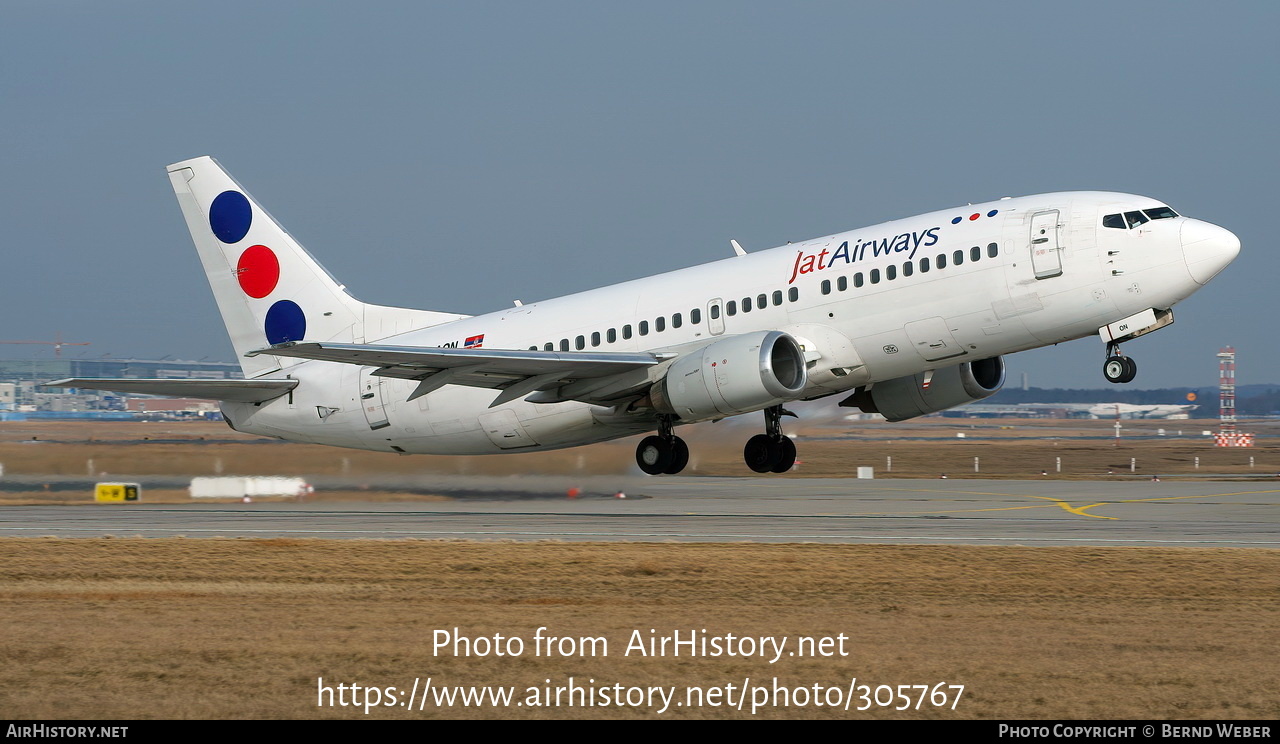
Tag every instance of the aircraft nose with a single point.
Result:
(1207, 249)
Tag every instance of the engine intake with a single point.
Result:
(903, 398)
(733, 375)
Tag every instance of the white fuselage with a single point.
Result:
(1046, 271)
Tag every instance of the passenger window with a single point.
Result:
(842, 283)
(941, 260)
(676, 321)
(660, 324)
(908, 268)
(875, 276)
(777, 295)
(1114, 220)
(957, 258)
(695, 316)
(975, 253)
(993, 250)
(746, 304)
(715, 312)
(924, 265)
(1135, 218)
(762, 301)
(626, 331)
(644, 328)
(564, 344)
(549, 347)
(580, 343)
(595, 338)
(533, 348)
(612, 336)
(731, 308)
(826, 286)
(891, 272)
(857, 279)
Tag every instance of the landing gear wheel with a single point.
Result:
(759, 453)
(1119, 369)
(773, 451)
(1132, 371)
(679, 456)
(784, 451)
(654, 455)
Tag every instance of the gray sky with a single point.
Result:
(454, 156)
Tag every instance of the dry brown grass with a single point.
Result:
(221, 628)
(1007, 448)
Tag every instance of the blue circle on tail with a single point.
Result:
(285, 322)
(230, 216)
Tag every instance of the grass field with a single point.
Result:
(219, 628)
(920, 449)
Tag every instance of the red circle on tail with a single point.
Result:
(258, 271)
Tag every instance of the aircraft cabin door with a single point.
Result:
(372, 399)
(715, 316)
(1046, 253)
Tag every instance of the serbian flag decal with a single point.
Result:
(473, 342)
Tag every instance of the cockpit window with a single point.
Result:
(1160, 213)
(1130, 220)
(1135, 218)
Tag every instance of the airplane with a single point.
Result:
(903, 318)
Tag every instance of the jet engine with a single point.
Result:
(907, 397)
(734, 375)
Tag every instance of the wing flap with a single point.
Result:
(239, 391)
(517, 372)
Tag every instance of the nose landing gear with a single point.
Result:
(771, 452)
(665, 453)
(1118, 368)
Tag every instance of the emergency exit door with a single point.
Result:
(372, 399)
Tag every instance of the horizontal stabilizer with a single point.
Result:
(239, 391)
(525, 370)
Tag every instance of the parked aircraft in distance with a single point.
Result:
(903, 318)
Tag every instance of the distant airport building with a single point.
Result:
(43, 370)
(1070, 410)
(22, 391)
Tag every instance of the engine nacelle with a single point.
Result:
(906, 397)
(733, 375)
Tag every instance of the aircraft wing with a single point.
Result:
(516, 372)
(239, 391)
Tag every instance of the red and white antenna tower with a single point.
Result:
(1227, 435)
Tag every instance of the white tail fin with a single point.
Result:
(268, 288)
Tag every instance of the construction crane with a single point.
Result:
(56, 344)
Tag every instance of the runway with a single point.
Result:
(704, 509)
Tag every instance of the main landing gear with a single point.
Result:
(1118, 368)
(665, 453)
(771, 452)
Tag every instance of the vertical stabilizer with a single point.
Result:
(268, 288)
